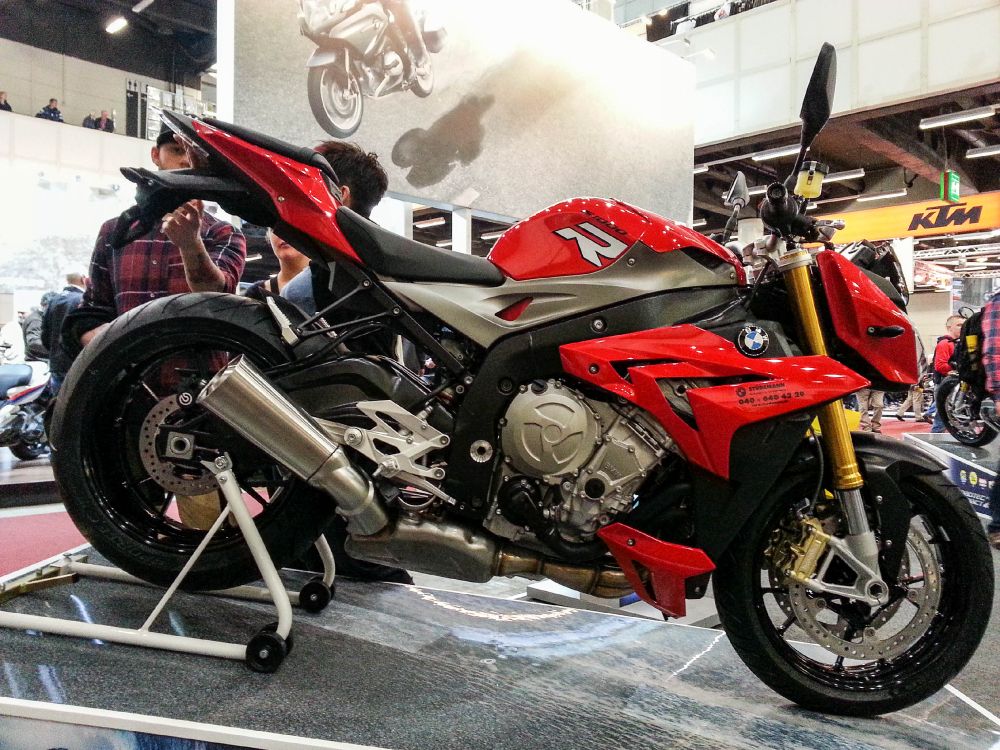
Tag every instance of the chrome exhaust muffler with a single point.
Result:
(242, 397)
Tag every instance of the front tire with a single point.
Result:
(137, 509)
(945, 586)
(336, 100)
(960, 414)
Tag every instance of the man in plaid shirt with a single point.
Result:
(991, 363)
(191, 251)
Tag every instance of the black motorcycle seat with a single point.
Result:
(390, 254)
(12, 376)
(283, 148)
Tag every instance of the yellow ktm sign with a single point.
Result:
(973, 213)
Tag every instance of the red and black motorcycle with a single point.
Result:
(620, 404)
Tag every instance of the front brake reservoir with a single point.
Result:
(809, 183)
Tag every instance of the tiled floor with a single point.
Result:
(410, 667)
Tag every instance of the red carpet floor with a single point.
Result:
(27, 539)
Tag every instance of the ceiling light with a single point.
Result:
(699, 223)
(443, 243)
(428, 223)
(966, 115)
(881, 196)
(979, 153)
(701, 169)
(850, 174)
(140, 6)
(492, 235)
(116, 25)
(254, 257)
(776, 153)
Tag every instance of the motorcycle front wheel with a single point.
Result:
(957, 408)
(143, 512)
(335, 99)
(835, 655)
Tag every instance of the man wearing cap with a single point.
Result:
(191, 251)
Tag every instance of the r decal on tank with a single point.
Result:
(593, 243)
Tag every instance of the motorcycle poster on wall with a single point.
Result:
(503, 106)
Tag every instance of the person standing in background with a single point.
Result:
(290, 264)
(871, 400)
(991, 364)
(51, 111)
(34, 345)
(943, 352)
(62, 305)
(4, 104)
(89, 121)
(104, 122)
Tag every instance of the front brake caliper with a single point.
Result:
(796, 549)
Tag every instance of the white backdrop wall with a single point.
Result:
(60, 183)
(32, 76)
(928, 312)
(888, 51)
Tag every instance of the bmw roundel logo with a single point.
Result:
(752, 341)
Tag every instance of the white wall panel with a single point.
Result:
(721, 40)
(36, 140)
(818, 21)
(715, 111)
(889, 51)
(765, 37)
(964, 48)
(880, 17)
(889, 68)
(765, 99)
(945, 9)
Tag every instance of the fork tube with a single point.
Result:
(832, 420)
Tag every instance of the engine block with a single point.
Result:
(591, 456)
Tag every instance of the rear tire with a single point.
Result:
(96, 456)
(931, 654)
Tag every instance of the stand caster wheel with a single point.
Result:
(314, 596)
(272, 627)
(265, 652)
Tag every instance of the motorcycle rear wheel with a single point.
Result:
(29, 451)
(106, 403)
(966, 428)
(946, 548)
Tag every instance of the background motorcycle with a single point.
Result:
(24, 389)
(608, 381)
(361, 52)
(965, 406)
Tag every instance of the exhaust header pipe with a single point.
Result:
(242, 397)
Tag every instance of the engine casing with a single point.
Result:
(589, 457)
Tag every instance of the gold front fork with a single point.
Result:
(832, 420)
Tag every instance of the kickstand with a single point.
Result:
(264, 652)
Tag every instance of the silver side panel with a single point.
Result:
(472, 310)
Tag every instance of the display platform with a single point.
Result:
(395, 666)
(972, 469)
(24, 483)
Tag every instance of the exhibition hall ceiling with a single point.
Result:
(171, 40)
(891, 147)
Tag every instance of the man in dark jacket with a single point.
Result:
(35, 348)
(51, 112)
(63, 304)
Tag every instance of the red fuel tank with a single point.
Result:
(584, 235)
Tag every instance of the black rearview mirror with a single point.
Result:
(738, 195)
(818, 101)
